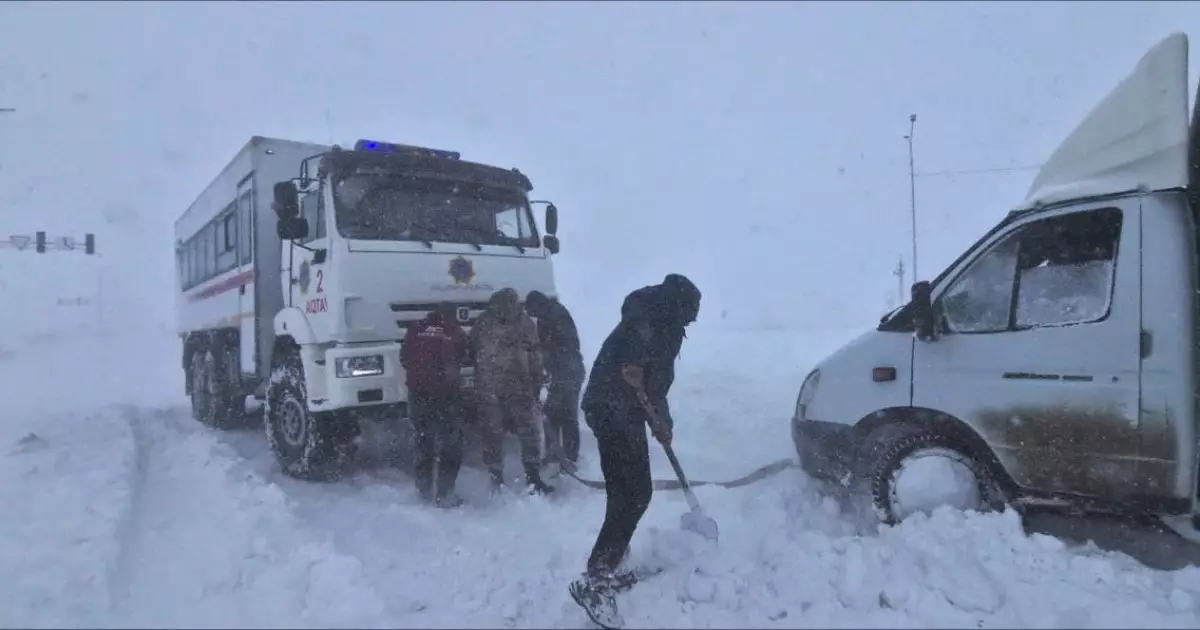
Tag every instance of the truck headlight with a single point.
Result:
(347, 367)
(807, 391)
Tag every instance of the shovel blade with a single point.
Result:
(698, 522)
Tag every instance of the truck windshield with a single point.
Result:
(384, 207)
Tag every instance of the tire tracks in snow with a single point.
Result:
(206, 542)
(131, 521)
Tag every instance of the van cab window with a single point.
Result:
(1052, 272)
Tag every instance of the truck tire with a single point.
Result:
(313, 446)
(889, 451)
(214, 398)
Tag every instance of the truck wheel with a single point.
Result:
(915, 468)
(212, 394)
(313, 446)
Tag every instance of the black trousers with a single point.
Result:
(437, 419)
(625, 462)
(562, 414)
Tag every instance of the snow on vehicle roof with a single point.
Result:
(1137, 137)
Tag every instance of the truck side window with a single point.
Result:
(312, 207)
(1052, 272)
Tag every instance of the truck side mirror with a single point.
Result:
(292, 228)
(287, 200)
(551, 219)
(551, 243)
(923, 315)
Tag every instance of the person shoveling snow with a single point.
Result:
(637, 359)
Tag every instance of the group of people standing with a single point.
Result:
(513, 357)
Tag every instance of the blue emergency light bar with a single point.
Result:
(388, 147)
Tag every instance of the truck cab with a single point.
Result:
(374, 239)
(1054, 363)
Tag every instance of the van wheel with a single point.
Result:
(213, 395)
(916, 469)
(313, 446)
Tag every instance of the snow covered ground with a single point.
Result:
(122, 511)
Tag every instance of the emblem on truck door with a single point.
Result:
(462, 270)
(304, 277)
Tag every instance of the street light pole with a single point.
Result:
(912, 191)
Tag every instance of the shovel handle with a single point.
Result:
(683, 482)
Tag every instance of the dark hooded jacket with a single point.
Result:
(650, 334)
(558, 337)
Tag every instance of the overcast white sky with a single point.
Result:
(756, 147)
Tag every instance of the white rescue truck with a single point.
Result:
(1055, 362)
(301, 265)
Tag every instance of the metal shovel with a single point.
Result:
(695, 520)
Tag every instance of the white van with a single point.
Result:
(1056, 359)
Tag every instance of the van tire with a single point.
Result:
(886, 450)
(311, 446)
(215, 400)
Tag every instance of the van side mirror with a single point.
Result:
(923, 315)
(551, 219)
(287, 200)
(551, 243)
(292, 228)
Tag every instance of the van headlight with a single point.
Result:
(807, 391)
(348, 367)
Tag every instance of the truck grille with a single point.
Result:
(467, 313)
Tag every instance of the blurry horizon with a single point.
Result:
(755, 147)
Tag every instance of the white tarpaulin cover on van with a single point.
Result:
(1136, 137)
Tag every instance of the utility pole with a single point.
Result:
(912, 191)
(899, 273)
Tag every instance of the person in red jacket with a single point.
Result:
(434, 351)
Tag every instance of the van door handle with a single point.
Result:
(1147, 343)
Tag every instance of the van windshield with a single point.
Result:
(387, 207)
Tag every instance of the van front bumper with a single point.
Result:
(827, 450)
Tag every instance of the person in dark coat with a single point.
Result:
(434, 351)
(638, 357)
(563, 361)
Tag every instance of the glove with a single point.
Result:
(663, 413)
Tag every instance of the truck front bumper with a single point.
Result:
(379, 396)
(827, 450)
(345, 391)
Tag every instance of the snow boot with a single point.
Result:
(497, 482)
(533, 478)
(448, 501)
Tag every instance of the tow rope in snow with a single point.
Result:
(673, 484)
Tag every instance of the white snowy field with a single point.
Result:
(119, 510)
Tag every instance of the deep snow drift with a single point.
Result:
(122, 511)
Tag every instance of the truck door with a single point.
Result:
(247, 308)
(308, 281)
(1039, 349)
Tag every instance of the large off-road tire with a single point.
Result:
(216, 399)
(313, 446)
(890, 450)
